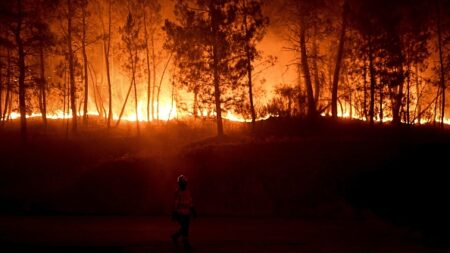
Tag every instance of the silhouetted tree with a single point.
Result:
(45, 40)
(203, 41)
(23, 29)
(339, 56)
(366, 19)
(1, 84)
(285, 101)
(254, 24)
(305, 17)
(151, 19)
(443, 40)
(132, 45)
(7, 83)
(69, 16)
(105, 8)
(84, 42)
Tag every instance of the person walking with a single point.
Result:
(183, 209)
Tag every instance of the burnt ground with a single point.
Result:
(294, 186)
(151, 234)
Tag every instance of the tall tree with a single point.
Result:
(339, 56)
(1, 85)
(71, 55)
(7, 104)
(303, 17)
(151, 20)
(18, 17)
(45, 40)
(365, 18)
(414, 38)
(442, 86)
(254, 25)
(106, 39)
(21, 62)
(132, 47)
(202, 40)
(84, 16)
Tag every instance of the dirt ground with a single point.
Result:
(350, 187)
(151, 234)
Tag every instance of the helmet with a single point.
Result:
(182, 182)
(182, 179)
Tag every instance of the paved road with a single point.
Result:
(218, 235)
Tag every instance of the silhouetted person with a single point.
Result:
(182, 211)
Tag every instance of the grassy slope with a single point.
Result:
(291, 168)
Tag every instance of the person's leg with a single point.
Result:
(175, 236)
(179, 232)
(185, 232)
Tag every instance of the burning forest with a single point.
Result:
(238, 60)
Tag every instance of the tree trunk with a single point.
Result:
(249, 72)
(96, 102)
(64, 93)
(381, 113)
(250, 90)
(135, 96)
(289, 106)
(216, 63)
(351, 104)
(67, 93)
(316, 69)
(195, 105)
(85, 62)
(337, 69)
(124, 104)
(43, 85)
(306, 73)
(436, 105)
(372, 83)
(396, 117)
(365, 89)
(408, 96)
(97, 96)
(152, 38)
(217, 94)
(172, 99)
(1, 92)
(147, 53)
(300, 91)
(441, 63)
(418, 102)
(160, 84)
(398, 101)
(158, 93)
(106, 48)
(10, 106)
(73, 104)
(8, 87)
(21, 64)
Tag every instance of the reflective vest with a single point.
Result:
(183, 202)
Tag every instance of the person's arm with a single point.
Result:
(193, 212)
(175, 206)
(192, 208)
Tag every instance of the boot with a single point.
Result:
(187, 246)
(174, 238)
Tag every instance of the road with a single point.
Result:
(218, 235)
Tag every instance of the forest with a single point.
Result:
(144, 60)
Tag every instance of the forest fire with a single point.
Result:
(166, 113)
(141, 61)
